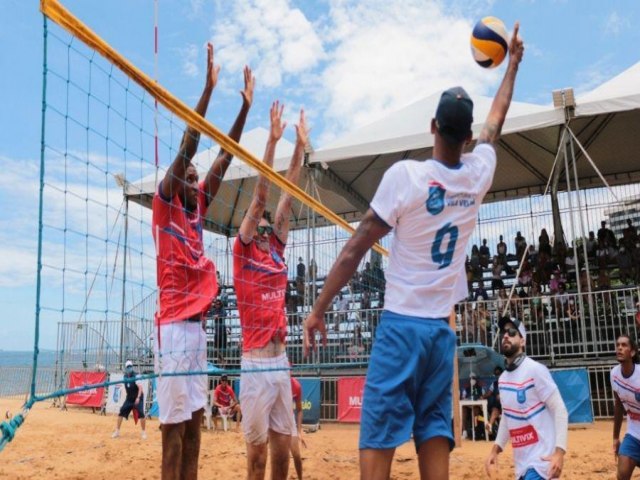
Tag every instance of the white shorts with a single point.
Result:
(183, 348)
(266, 399)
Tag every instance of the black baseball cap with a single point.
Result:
(454, 115)
(224, 378)
(516, 323)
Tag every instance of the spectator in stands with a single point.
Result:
(496, 274)
(356, 285)
(520, 245)
(340, 307)
(592, 245)
(220, 331)
(313, 271)
(480, 293)
(535, 301)
(570, 267)
(574, 318)
(602, 254)
(482, 321)
(260, 279)
(526, 273)
(502, 302)
(476, 267)
(607, 235)
(300, 270)
(366, 277)
(532, 256)
(630, 235)
(186, 284)
(544, 244)
(485, 254)
(225, 403)
(560, 300)
(501, 250)
(587, 283)
(468, 324)
(468, 270)
(625, 265)
(134, 401)
(365, 305)
(219, 281)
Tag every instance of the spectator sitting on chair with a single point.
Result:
(225, 403)
(592, 245)
(133, 401)
(606, 235)
(480, 293)
(501, 249)
(474, 391)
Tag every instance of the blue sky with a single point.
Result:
(347, 62)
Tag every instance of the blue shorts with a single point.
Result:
(630, 447)
(531, 474)
(408, 386)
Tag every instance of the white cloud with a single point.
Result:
(272, 37)
(614, 24)
(388, 54)
(190, 60)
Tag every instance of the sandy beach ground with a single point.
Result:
(77, 444)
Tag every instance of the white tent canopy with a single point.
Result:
(345, 174)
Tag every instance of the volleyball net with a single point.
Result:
(109, 136)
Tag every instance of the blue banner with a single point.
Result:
(310, 400)
(574, 389)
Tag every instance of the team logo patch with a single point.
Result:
(523, 436)
(435, 202)
(522, 396)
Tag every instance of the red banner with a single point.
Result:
(92, 397)
(350, 398)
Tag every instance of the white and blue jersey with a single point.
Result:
(628, 390)
(523, 393)
(432, 209)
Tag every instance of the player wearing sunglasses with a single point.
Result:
(534, 416)
(260, 279)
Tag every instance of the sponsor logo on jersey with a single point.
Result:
(523, 436)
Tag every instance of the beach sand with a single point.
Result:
(77, 444)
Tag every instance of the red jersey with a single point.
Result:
(224, 395)
(260, 280)
(296, 391)
(186, 277)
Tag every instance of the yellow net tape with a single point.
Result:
(55, 11)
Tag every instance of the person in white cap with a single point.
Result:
(134, 401)
(534, 416)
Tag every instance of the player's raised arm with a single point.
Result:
(189, 144)
(223, 160)
(281, 225)
(495, 119)
(261, 190)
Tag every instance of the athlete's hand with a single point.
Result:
(616, 447)
(301, 438)
(312, 324)
(491, 463)
(556, 460)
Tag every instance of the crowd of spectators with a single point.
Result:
(548, 275)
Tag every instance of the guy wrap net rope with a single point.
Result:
(101, 124)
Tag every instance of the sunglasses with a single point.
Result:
(265, 229)
(512, 332)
